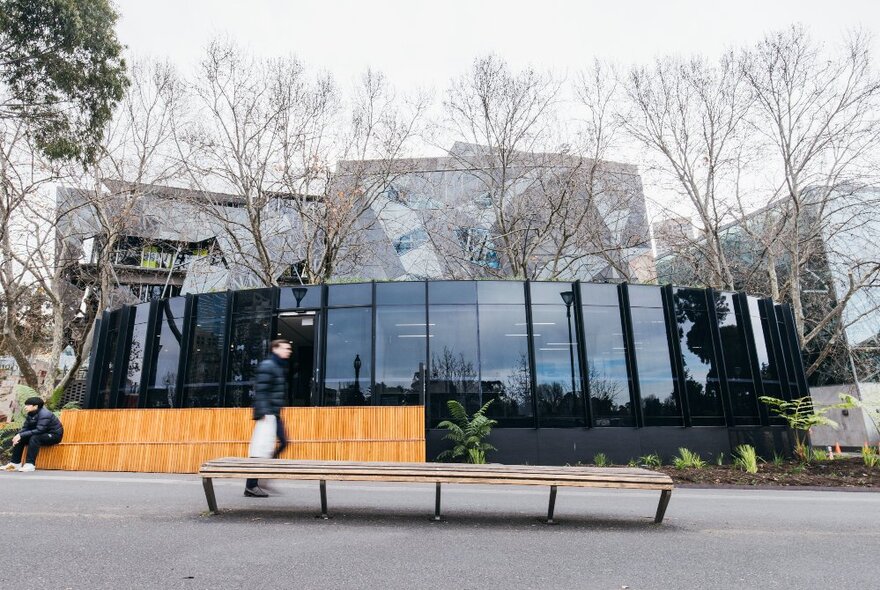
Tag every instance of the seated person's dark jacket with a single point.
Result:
(41, 422)
(270, 393)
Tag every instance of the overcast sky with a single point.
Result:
(422, 44)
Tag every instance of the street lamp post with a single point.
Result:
(568, 299)
(357, 374)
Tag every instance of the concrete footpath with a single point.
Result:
(101, 530)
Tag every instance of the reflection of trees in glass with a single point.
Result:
(693, 333)
(608, 397)
(556, 399)
(454, 375)
(654, 407)
(513, 395)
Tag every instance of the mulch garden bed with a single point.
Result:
(846, 472)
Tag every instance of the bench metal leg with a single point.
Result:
(552, 505)
(661, 508)
(324, 499)
(208, 484)
(437, 504)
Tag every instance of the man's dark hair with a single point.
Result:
(279, 342)
(34, 401)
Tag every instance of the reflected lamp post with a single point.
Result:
(357, 373)
(568, 299)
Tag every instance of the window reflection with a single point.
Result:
(161, 391)
(698, 357)
(202, 386)
(453, 371)
(560, 402)
(250, 334)
(105, 393)
(610, 399)
(400, 354)
(135, 363)
(734, 347)
(348, 365)
(660, 405)
(504, 364)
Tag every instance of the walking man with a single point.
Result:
(270, 395)
(41, 428)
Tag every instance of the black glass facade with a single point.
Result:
(550, 355)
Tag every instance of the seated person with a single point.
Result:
(41, 428)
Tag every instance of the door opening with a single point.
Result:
(300, 328)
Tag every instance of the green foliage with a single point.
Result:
(71, 406)
(55, 399)
(687, 459)
(22, 392)
(651, 460)
(870, 456)
(63, 71)
(801, 415)
(7, 431)
(817, 455)
(633, 462)
(601, 460)
(778, 459)
(746, 458)
(467, 434)
(719, 460)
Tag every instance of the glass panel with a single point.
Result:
(452, 292)
(253, 301)
(560, 402)
(549, 292)
(400, 354)
(348, 370)
(353, 294)
(132, 383)
(249, 344)
(202, 385)
(402, 293)
(311, 299)
(610, 400)
(698, 357)
(105, 398)
(598, 294)
(454, 360)
(735, 351)
(659, 401)
(645, 296)
(500, 292)
(177, 305)
(161, 392)
(504, 363)
(762, 342)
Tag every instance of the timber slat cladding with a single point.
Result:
(611, 477)
(180, 440)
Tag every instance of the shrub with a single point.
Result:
(816, 455)
(746, 458)
(633, 462)
(652, 460)
(719, 460)
(467, 434)
(778, 459)
(601, 460)
(870, 456)
(801, 415)
(687, 459)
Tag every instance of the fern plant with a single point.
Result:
(746, 458)
(601, 460)
(651, 460)
(467, 434)
(687, 458)
(801, 415)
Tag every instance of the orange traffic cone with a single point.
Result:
(837, 448)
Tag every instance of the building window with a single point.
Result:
(411, 240)
(477, 246)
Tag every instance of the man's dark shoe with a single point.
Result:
(255, 492)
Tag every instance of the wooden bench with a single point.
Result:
(437, 473)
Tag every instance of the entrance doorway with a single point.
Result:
(301, 329)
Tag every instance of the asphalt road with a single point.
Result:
(101, 530)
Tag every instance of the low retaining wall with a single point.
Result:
(180, 440)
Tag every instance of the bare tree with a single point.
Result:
(817, 112)
(690, 115)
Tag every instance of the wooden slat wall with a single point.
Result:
(180, 440)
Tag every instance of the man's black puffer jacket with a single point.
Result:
(270, 393)
(41, 422)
